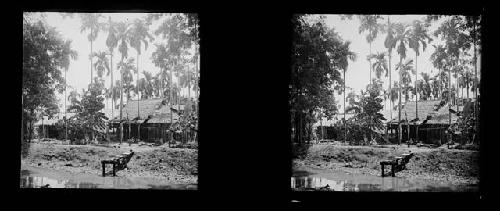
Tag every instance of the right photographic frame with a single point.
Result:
(386, 103)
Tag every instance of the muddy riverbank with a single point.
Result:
(174, 166)
(35, 177)
(438, 167)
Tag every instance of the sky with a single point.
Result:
(78, 75)
(357, 74)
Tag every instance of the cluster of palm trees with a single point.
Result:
(414, 36)
(172, 55)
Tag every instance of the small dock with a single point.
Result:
(397, 164)
(119, 162)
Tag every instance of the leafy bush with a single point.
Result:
(25, 148)
(300, 150)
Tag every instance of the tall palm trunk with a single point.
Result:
(91, 57)
(370, 61)
(112, 96)
(188, 102)
(162, 83)
(197, 81)
(462, 87)
(476, 83)
(196, 75)
(23, 120)
(112, 88)
(449, 100)
(189, 87)
(321, 126)
(121, 104)
(345, 120)
(416, 88)
(457, 97)
(390, 86)
(171, 105)
(138, 104)
(400, 132)
(467, 87)
(65, 110)
(440, 85)
(416, 98)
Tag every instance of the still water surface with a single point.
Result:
(33, 177)
(308, 179)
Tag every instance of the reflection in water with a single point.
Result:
(381, 184)
(340, 185)
(37, 182)
(33, 177)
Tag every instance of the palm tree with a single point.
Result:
(389, 43)
(402, 37)
(467, 81)
(139, 34)
(111, 43)
(393, 95)
(345, 120)
(369, 23)
(123, 38)
(90, 21)
(196, 61)
(418, 35)
(404, 70)
(71, 54)
(438, 59)
(146, 85)
(380, 65)
(102, 63)
(425, 86)
(116, 92)
(126, 69)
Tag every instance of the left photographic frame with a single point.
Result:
(110, 100)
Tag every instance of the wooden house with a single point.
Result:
(432, 121)
(149, 116)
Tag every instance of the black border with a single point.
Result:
(244, 150)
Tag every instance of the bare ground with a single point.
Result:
(174, 165)
(459, 167)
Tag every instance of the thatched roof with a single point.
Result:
(153, 110)
(425, 109)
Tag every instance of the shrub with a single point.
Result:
(300, 150)
(25, 148)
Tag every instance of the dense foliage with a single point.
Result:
(367, 122)
(45, 56)
(89, 121)
(319, 56)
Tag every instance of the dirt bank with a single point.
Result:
(441, 164)
(175, 165)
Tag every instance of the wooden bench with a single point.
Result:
(119, 161)
(397, 164)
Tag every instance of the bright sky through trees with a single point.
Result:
(357, 74)
(79, 70)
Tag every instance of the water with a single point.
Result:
(343, 181)
(32, 177)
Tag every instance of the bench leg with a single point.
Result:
(393, 168)
(103, 169)
(382, 169)
(114, 172)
